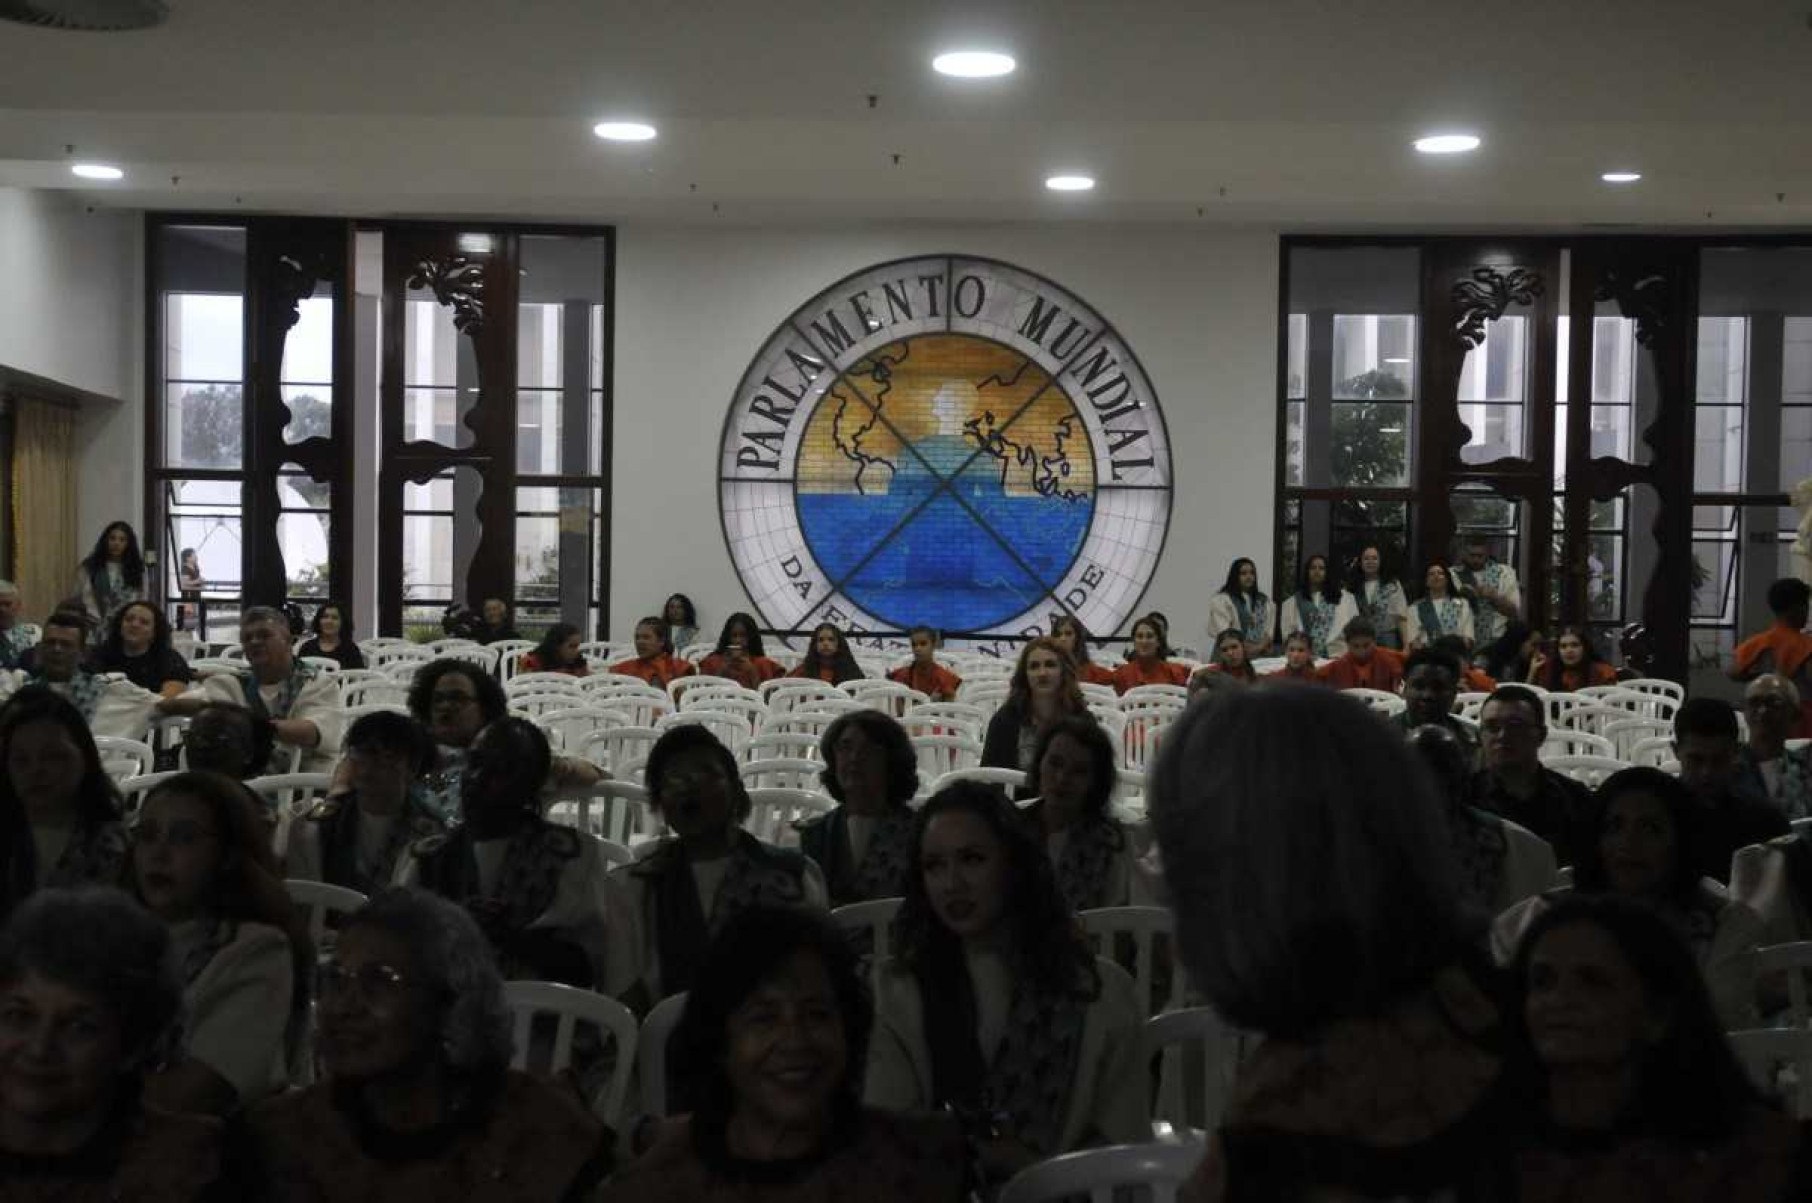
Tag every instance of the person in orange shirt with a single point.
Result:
(654, 661)
(1072, 637)
(1150, 663)
(1784, 649)
(558, 652)
(828, 659)
(1574, 664)
(1229, 666)
(1365, 665)
(1299, 661)
(925, 674)
(739, 654)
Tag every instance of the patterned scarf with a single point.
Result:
(93, 856)
(13, 644)
(341, 863)
(757, 875)
(300, 674)
(886, 862)
(1087, 861)
(85, 691)
(1254, 618)
(1479, 849)
(1793, 789)
(1487, 623)
(439, 789)
(526, 883)
(1377, 608)
(1439, 616)
(1316, 614)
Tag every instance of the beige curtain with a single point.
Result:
(44, 504)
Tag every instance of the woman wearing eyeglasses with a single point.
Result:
(201, 862)
(419, 1101)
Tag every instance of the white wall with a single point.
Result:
(1199, 309)
(70, 302)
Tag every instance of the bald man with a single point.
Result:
(1768, 768)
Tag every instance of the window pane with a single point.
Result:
(310, 412)
(1714, 580)
(204, 425)
(427, 556)
(1495, 369)
(431, 414)
(1374, 357)
(1296, 382)
(203, 338)
(1723, 361)
(1613, 360)
(308, 349)
(1717, 465)
(538, 444)
(1796, 361)
(304, 540)
(1796, 446)
(538, 346)
(440, 374)
(1370, 445)
(1611, 431)
(436, 494)
(1293, 457)
(204, 516)
(1496, 432)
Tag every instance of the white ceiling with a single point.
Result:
(1283, 112)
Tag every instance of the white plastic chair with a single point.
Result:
(940, 754)
(782, 773)
(320, 900)
(1144, 924)
(391, 655)
(690, 693)
(1626, 734)
(748, 707)
(1648, 703)
(1152, 1173)
(534, 703)
(784, 695)
(875, 916)
(811, 725)
(1593, 717)
(381, 691)
(326, 664)
(1564, 743)
(1131, 789)
(1146, 719)
(572, 1006)
(932, 712)
(1143, 693)
(472, 653)
(1387, 704)
(651, 1052)
(288, 791)
(1099, 694)
(643, 705)
(772, 813)
(984, 692)
(1794, 961)
(569, 727)
(1010, 780)
(1655, 751)
(615, 747)
(607, 650)
(783, 745)
(1216, 1044)
(122, 758)
(1589, 771)
(133, 789)
(1469, 705)
(731, 729)
(889, 697)
(509, 655)
(615, 811)
(1779, 1062)
(1656, 687)
(540, 682)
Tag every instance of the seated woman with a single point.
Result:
(59, 811)
(1229, 666)
(1073, 775)
(1299, 661)
(1043, 688)
(1629, 1089)
(1647, 827)
(993, 1006)
(1574, 665)
(558, 652)
(138, 645)
(654, 661)
(771, 1048)
(1380, 598)
(1319, 608)
(925, 674)
(681, 619)
(1351, 951)
(740, 655)
(828, 659)
(1148, 661)
(201, 862)
(1440, 610)
(1507, 659)
(357, 838)
(229, 740)
(864, 847)
(1240, 606)
(1070, 635)
(663, 910)
(332, 637)
(419, 1100)
(535, 888)
(89, 1000)
(496, 622)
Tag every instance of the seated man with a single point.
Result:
(15, 639)
(1364, 665)
(302, 703)
(1768, 767)
(1706, 745)
(1514, 783)
(1500, 862)
(111, 704)
(1784, 648)
(1431, 681)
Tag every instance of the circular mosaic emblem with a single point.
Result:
(948, 441)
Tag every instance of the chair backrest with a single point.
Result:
(1141, 693)
(1627, 733)
(1561, 742)
(986, 692)
(1009, 779)
(1142, 926)
(379, 690)
(614, 811)
(1648, 703)
(772, 813)
(1469, 705)
(1099, 694)
(731, 728)
(122, 758)
(786, 694)
(133, 789)
(541, 682)
(1152, 1173)
(783, 745)
(1145, 720)
(782, 773)
(643, 705)
(940, 754)
(615, 747)
(1779, 1062)
(571, 1006)
(1593, 717)
(1795, 962)
(1656, 751)
(1191, 1106)
(891, 697)
(651, 1052)
(1589, 771)
(682, 688)
(875, 919)
(810, 723)
(289, 790)
(472, 653)
(1384, 703)
(319, 900)
(326, 664)
(569, 727)
(1655, 687)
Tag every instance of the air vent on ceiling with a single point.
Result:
(86, 14)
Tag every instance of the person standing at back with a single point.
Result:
(112, 574)
(1784, 648)
(1492, 588)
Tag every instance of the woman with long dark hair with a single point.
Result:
(1242, 606)
(558, 652)
(828, 657)
(332, 636)
(1042, 689)
(993, 1005)
(1440, 611)
(740, 655)
(1074, 770)
(1149, 660)
(113, 573)
(1380, 598)
(1574, 664)
(681, 619)
(138, 645)
(1319, 608)
(1069, 633)
(1628, 1090)
(60, 821)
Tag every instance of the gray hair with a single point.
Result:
(1772, 683)
(1307, 855)
(257, 614)
(455, 960)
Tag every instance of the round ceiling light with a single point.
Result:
(97, 171)
(1070, 182)
(1621, 177)
(1447, 144)
(974, 64)
(624, 131)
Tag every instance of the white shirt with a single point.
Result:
(317, 702)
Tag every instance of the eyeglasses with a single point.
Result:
(373, 983)
(181, 833)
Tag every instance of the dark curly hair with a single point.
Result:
(547, 652)
(885, 731)
(1590, 875)
(751, 635)
(842, 664)
(346, 633)
(132, 564)
(491, 699)
(1048, 946)
(97, 800)
(113, 648)
(1071, 623)
(1103, 763)
(685, 738)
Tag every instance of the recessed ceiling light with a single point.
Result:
(1621, 177)
(974, 64)
(624, 131)
(98, 171)
(1070, 183)
(1447, 144)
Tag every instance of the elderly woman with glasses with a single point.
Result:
(419, 1101)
